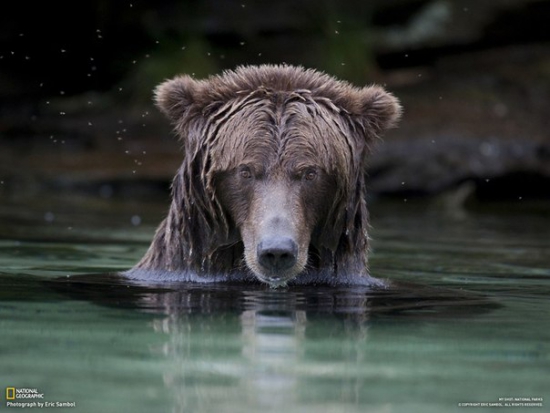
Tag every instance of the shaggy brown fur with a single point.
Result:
(273, 155)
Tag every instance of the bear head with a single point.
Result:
(272, 182)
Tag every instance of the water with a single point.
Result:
(108, 346)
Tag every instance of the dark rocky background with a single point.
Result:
(473, 76)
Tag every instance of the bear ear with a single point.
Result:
(379, 109)
(176, 96)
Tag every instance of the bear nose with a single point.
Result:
(277, 253)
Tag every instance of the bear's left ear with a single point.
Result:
(176, 96)
(380, 110)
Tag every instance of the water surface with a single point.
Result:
(473, 328)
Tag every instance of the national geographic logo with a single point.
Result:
(13, 393)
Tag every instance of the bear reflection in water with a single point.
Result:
(233, 346)
(272, 183)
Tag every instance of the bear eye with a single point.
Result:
(310, 174)
(245, 172)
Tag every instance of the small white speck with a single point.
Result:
(136, 220)
(242, 43)
(520, 198)
(403, 183)
(63, 50)
(49, 216)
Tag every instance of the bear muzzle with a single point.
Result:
(277, 253)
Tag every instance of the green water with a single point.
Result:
(109, 347)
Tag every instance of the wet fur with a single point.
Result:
(278, 121)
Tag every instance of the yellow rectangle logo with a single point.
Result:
(10, 393)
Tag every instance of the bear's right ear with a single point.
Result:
(379, 109)
(176, 96)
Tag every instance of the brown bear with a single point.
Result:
(272, 184)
